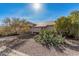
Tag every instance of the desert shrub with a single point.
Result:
(63, 25)
(58, 40)
(14, 26)
(69, 26)
(49, 38)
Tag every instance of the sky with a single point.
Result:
(36, 12)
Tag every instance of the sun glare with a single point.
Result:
(36, 6)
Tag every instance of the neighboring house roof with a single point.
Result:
(44, 24)
(40, 26)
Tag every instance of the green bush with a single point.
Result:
(69, 26)
(58, 40)
(49, 38)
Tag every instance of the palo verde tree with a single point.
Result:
(16, 25)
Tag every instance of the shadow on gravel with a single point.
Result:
(5, 52)
(17, 45)
(76, 48)
(74, 41)
(67, 45)
(60, 49)
(26, 36)
(57, 48)
(19, 41)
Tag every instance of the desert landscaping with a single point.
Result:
(41, 35)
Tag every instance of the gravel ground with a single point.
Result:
(5, 51)
(30, 47)
(34, 49)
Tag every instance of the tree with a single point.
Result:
(62, 25)
(16, 25)
(69, 25)
(74, 16)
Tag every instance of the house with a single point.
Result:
(41, 26)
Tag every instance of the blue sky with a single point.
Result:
(48, 12)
